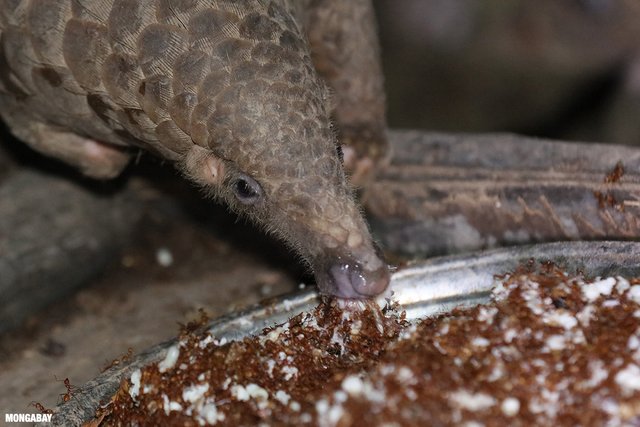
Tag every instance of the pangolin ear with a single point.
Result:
(203, 167)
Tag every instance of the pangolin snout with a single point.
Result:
(346, 278)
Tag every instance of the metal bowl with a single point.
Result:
(423, 289)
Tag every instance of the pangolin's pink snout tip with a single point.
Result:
(349, 279)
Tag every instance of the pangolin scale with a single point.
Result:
(229, 91)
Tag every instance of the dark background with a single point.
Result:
(567, 69)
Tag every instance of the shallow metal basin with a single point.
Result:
(423, 289)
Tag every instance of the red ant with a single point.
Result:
(122, 359)
(71, 389)
(41, 408)
(127, 356)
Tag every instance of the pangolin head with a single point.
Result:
(263, 143)
(278, 164)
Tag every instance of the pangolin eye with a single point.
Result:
(247, 190)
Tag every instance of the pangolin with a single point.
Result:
(239, 94)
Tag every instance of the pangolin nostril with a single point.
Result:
(347, 278)
(350, 280)
(373, 282)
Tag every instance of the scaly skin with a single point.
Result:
(346, 53)
(225, 89)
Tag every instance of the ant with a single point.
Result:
(41, 408)
(127, 356)
(115, 362)
(71, 389)
(191, 327)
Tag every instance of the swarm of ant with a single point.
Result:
(188, 330)
(191, 328)
(72, 390)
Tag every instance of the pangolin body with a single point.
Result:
(227, 90)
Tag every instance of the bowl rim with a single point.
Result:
(421, 289)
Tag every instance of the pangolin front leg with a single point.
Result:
(93, 158)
